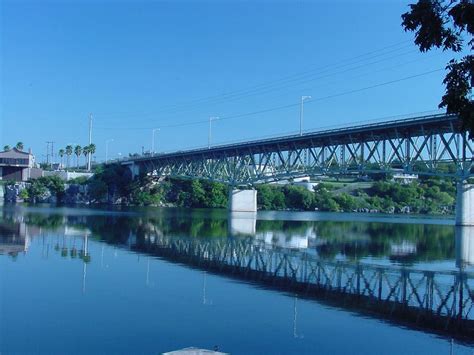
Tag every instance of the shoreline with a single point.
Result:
(263, 215)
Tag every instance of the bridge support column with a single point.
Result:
(243, 201)
(465, 204)
(134, 169)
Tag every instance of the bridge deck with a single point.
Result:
(417, 126)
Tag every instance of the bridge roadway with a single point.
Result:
(428, 145)
(439, 301)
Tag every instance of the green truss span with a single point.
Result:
(429, 145)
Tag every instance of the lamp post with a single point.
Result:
(153, 140)
(303, 98)
(107, 149)
(212, 118)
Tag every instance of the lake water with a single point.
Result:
(147, 281)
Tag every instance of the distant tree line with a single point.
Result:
(114, 185)
(426, 195)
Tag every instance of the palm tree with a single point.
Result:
(19, 146)
(85, 151)
(91, 152)
(78, 152)
(68, 154)
(7, 147)
(61, 154)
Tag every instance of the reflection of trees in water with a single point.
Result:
(354, 240)
(360, 239)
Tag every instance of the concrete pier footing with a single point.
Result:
(465, 204)
(243, 201)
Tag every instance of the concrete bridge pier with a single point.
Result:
(465, 204)
(134, 169)
(242, 200)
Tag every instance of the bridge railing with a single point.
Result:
(339, 129)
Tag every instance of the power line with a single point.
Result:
(288, 84)
(282, 107)
(258, 87)
(320, 85)
(283, 84)
(371, 72)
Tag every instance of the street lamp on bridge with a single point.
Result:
(303, 98)
(107, 149)
(153, 140)
(212, 118)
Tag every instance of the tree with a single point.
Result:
(198, 194)
(36, 191)
(68, 154)
(271, 197)
(19, 146)
(447, 24)
(61, 154)
(85, 152)
(78, 152)
(298, 197)
(6, 147)
(92, 148)
(97, 189)
(217, 194)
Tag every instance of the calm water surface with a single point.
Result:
(89, 281)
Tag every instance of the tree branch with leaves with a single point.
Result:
(448, 24)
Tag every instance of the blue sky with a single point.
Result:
(138, 65)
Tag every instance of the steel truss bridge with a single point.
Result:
(428, 145)
(442, 301)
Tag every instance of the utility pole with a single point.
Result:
(90, 142)
(52, 154)
(48, 152)
(303, 98)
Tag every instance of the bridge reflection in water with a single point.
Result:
(438, 300)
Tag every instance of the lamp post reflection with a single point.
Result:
(205, 300)
(147, 282)
(295, 314)
(85, 258)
